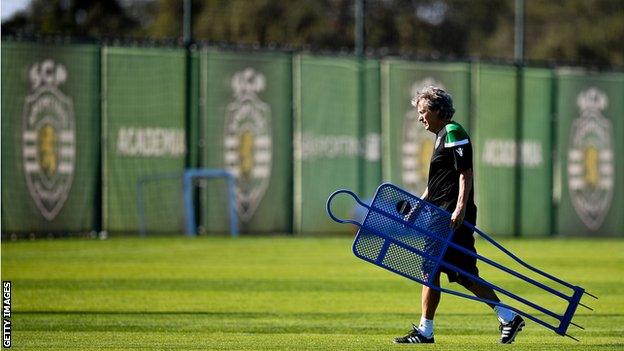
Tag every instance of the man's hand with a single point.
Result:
(457, 218)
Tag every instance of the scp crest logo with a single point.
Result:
(247, 140)
(48, 138)
(591, 169)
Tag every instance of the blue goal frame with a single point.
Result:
(187, 189)
(192, 173)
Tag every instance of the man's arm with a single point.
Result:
(465, 185)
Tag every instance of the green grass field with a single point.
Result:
(274, 293)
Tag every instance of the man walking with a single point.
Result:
(450, 186)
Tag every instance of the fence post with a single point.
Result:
(519, 61)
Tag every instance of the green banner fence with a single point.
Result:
(144, 135)
(246, 128)
(590, 186)
(535, 215)
(370, 132)
(494, 89)
(50, 137)
(335, 136)
(83, 124)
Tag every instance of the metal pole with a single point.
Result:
(188, 109)
(232, 202)
(554, 182)
(519, 32)
(187, 188)
(359, 28)
(191, 158)
(361, 93)
(519, 135)
(186, 27)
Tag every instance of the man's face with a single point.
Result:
(429, 119)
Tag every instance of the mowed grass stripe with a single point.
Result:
(275, 293)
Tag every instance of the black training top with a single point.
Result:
(452, 154)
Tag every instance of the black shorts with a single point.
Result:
(464, 238)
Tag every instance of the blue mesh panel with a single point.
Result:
(387, 240)
(407, 262)
(368, 245)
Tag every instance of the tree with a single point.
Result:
(588, 31)
(80, 18)
(576, 31)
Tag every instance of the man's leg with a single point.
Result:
(430, 299)
(423, 333)
(511, 323)
(505, 315)
(484, 292)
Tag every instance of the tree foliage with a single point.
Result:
(80, 18)
(562, 30)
